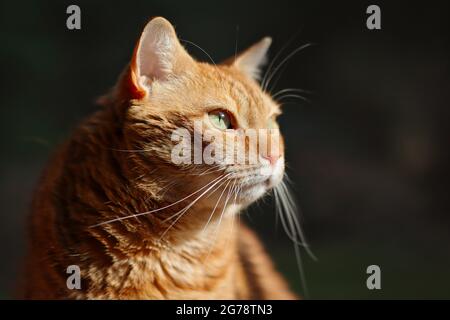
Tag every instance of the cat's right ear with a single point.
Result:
(157, 56)
(251, 60)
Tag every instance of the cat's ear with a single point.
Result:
(158, 55)
(252, 59)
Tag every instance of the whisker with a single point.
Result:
(180, 213)
(291, 90)
(193, 202)
(233, 217)
(291, 226)
(131, 150)
(286, 59)
(269, 68)
(286, 209)
(220, 221)
(212, 170)
(301, 271)
(155, 210)
(215, 207)
(203, 50)
(294, 220)
(293, 96)
(225, 205)
(276, 80)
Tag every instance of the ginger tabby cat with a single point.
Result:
(109, 197)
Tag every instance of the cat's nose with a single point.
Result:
(272, 157)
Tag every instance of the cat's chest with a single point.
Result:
(170, 276)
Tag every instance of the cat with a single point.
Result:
(112, 202)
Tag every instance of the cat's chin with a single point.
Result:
(252, 193)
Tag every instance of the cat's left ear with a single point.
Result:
(252, 59)
(158, 56)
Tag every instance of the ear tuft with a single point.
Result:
(251, 60)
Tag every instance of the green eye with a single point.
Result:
(220, 119)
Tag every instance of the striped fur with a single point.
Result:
(117, 163)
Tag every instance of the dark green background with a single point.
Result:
(368, 157)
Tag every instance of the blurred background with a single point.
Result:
(368, 157)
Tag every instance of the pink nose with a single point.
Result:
(273, 158)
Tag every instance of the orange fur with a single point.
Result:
(117, 163)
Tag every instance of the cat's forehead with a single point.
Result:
(229, 83)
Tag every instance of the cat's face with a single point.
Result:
(210, 125)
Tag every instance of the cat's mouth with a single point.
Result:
(254, 186)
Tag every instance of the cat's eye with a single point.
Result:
(220, 119)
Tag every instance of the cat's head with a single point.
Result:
(174, 98)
